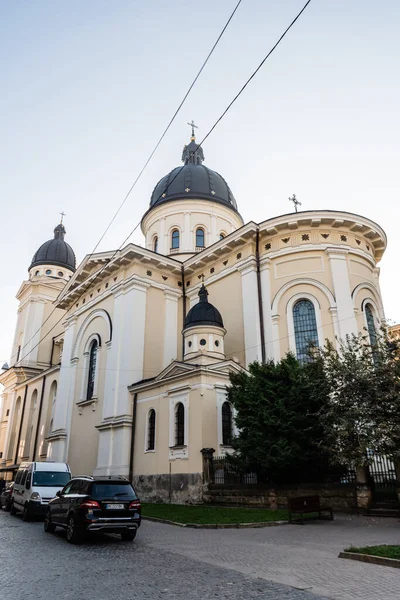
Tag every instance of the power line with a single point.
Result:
(147, 161)
(205, 137)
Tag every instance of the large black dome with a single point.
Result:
(203, 313)
(55, 252)
(193, 180)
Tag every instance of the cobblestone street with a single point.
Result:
(170, 563)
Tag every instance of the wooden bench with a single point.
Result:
(306, 505)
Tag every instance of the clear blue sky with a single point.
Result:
(87, 88)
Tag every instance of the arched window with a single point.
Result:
(221, 235)
(30, 421)
(226, 424)
(305, 328)
(179, 425)
(155, 244)
(370, 324)
(151, 430)
(175, 239)
(92, 370)
(200, 238)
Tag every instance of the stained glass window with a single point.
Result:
(226, 424)
(175, 239)
(151, 430)
(179, 425)
(200, 238)
(305, 328)
(370, 324)
(92, 370)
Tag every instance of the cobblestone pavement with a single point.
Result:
(305, 557)
(39, 566)
(291, 562)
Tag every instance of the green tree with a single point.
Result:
(361, 394)
(277, 416)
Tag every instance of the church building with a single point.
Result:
(120, 365)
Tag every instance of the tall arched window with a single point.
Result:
(200, 238)
(155, 244)
(226, 424)
(179, 424)
(92, 369)
(221, 235)
(305, 328)
(151, 430)
(370, 324)
(175, 239)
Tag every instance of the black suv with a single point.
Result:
(107, 504)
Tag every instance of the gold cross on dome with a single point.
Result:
(62, 216)
(187, 189)
(193, 126)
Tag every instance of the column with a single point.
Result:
(162, 249)
(346, 320)
(251, 315)
(187, 242)
(170, 327)
(214, 233)
(58, 442)
(270, 342)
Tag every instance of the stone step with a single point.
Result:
(383, 512)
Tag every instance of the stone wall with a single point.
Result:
(177, 488)
(339, 497)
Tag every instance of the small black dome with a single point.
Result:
(193, 180)
(203, 313)
(55, 252)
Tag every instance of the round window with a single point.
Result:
(60, 274)
(217, 343)
(48, 272)
(203, 342)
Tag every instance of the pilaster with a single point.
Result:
(251, 320)
(170, 327)
(346, 321)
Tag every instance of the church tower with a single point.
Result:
(204, 332)
(191, 208)
(52, 266)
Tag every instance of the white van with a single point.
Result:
(35, 484)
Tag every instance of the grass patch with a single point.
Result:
(212, 515)
(385, 551)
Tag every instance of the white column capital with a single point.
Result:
(337, 253)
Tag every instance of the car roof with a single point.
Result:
(103, 478)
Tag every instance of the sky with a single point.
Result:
(88, 87)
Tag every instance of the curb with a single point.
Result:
(370, 558)
(216, 525)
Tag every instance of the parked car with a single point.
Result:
(5, 497)
(35, 484)
(89, 504)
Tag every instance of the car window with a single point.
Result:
(23, 477)
(83, 487)
(105, 490)
(67, 489)
(76, 487)
(18, 477)
(51, 478)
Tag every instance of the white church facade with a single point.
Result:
(120, 366)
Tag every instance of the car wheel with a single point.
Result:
(26, 513)
(128, 536)
(74, 532)
(49, 527)
(13, 509)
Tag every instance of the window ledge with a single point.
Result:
(180, 447)
(150, 451)
(92, 402)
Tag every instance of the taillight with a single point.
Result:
(135, 505)
(90, 504)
